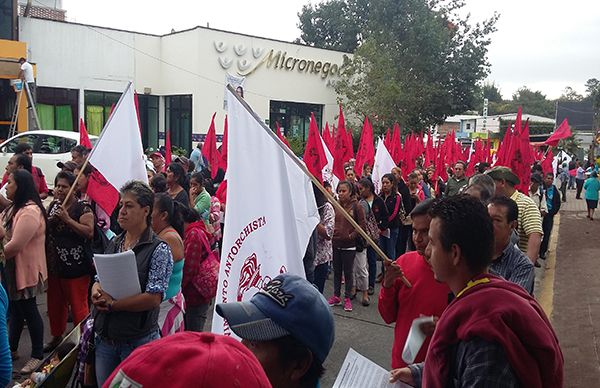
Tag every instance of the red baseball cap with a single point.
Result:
(190, 359)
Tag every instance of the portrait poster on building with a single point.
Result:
(236, 82)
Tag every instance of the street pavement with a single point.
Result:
(567, 287)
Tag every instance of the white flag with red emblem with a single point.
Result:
(271, 211)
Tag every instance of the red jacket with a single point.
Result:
(194, 253)
(501, 312)
(402, 305)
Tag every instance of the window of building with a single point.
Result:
(178, 120)
(148, 106)
(98, 106)
(294, 117)
(468, 126)
(57, 108)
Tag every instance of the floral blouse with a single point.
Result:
(324, 246)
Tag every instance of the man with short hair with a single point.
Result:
(197, 158)
(493, 333)
(401, 304)
(529, 226)
(78, 154)
(38, 176)
(288, 326)
(458, 180)
(508, 261)
(158, 161)
(553, 202)
(26, 74)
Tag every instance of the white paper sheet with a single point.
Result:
(359, 372)
(118, 274)
(415, 340)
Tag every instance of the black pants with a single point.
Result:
(26, 310)
(547, 224)
(405, 243)
(563, 190)
(343, 260)
(579, 183)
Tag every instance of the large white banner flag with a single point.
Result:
(118, 154)
(383, 165)
(271, 212)
(328, 174)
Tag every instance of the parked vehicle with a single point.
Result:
(49, 148)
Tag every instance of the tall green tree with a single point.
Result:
(415, 62)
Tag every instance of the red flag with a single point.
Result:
(340, 149)
(137, 110)
(102, 192)
(387, 142)
(280, 135)
(547, 162)
(84, 139)
(350, 143)
(327, 137)
(366, 148)
(209, 149)
(314, 154)
(221, 193)
(168, 154)
(429, 151)
(396, 145)
(224, 147)
(562, 132)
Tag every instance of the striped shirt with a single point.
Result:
(515, 267)
(530, 219)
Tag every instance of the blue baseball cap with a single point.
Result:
(288, 305)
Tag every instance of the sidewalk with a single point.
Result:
(575, 310)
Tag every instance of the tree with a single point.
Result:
(570, 94)
(491, 92)
(334, 25)
(592, 90)
(416, 61)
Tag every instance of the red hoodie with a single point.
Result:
(501, 312)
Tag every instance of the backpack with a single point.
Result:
(372, 228)
(207, 278)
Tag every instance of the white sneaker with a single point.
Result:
(31, 366)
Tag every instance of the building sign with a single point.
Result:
(278, 60)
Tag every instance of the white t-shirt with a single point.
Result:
(27, 72)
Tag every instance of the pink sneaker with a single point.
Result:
(347, 304)
(335, 301)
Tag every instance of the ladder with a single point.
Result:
(31, 112)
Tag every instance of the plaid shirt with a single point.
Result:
(476, 363)
(515, 267)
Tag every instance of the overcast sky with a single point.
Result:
(544, 44)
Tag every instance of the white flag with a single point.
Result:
(383, 165)
(328, 174)
(118, 154)
(271, 212)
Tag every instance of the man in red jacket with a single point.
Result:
(400, 304)
(493, 333)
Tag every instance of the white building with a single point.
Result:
(180, 78)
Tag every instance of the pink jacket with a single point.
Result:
(27, 246)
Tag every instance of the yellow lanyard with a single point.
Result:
(472, 283)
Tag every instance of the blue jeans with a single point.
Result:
(388, 245)
(110, 353)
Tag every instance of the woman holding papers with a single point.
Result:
(69, 257)
(168, 225)
(24, 232)
(123, 325)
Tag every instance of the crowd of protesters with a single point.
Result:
(469, 241)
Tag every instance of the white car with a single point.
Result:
(49, 148)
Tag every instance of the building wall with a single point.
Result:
(77, 56)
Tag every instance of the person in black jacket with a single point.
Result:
(404, 241)
(380, 212)
(552, 198)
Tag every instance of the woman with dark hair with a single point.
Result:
(122, 325)
(168, 225)
(393, 203)
(195, 241)
(380, 214)
(175, 183)
(345, 244)
(199, 196)
(69, 257)
(24, 232)
(158, 183)
(324, 234)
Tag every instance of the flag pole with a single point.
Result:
(83, 166)
(316, 182)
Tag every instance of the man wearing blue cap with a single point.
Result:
(288, 326)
